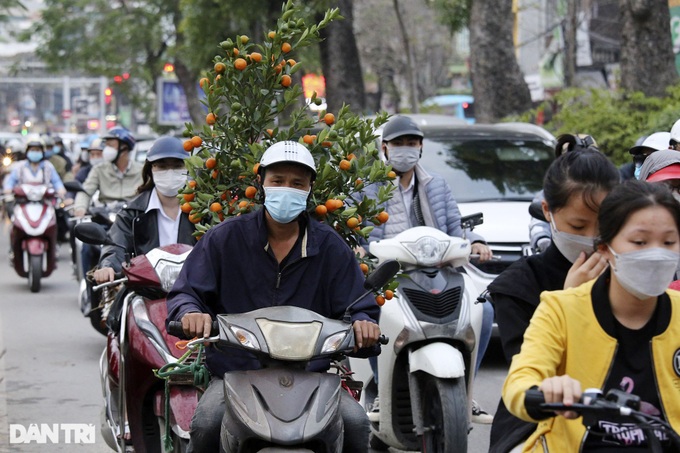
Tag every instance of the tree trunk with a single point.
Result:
(647, 60)
(412, 83)
(189, 81)
(497, 82)
(340, 63)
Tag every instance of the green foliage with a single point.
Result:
(455, 14)
(616, 119)
(248, 88)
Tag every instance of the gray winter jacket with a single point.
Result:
(438, 207)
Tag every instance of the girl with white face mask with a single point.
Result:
(574, 186)
(153, 218)
(619, 331)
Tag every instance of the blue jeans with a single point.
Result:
(484, 338)
(485, 334)
(207, 421)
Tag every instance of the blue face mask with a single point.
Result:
(56, 149)
(34, 156)
(285, 204)
(48, 153)
(637, 171)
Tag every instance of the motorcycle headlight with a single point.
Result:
(6, 161)
(167, 272)
(112, 216)
(290, 340)
(333, 342)
(427, 250)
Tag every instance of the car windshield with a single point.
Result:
(480, 169)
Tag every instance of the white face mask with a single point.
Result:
(109, 153)
(645, 273)
(571, 245)
(403, 158)
(84, 156)
(169, 182)
(96, 161)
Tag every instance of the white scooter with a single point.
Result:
(433, 322)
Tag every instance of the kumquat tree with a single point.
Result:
(248, 91)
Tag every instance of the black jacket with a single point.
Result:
(515, 294)
(137, 231)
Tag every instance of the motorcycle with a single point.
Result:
(435, 317)
(33, 237)
(134, 398)
(616, 406)
(282, 406)
(93, 304)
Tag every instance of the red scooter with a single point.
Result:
(134, 398)
(33, 238)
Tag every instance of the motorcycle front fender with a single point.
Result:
(438, 359)
(35, 246)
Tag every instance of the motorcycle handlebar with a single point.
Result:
(592, 401)
(175, 329)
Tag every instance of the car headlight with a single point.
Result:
(289, 340)
(427, 250)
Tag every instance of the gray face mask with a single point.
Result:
(403, 158)
(645, 273)
(571, 245)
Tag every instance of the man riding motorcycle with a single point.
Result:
(273, 256)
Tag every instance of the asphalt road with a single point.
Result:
(49, 362)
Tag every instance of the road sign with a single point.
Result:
(66, 114)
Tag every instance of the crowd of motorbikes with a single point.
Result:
(431, 331)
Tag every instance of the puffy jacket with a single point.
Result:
(439, 208)
(137, 231)
(567, 336)
(106, 178)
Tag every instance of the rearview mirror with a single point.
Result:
(92, 233)
(536, 211)
(381, 275)
(468, 222)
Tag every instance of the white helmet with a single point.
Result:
(657, 141)
(288, 151)
(675, 131)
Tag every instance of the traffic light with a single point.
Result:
(107, 95)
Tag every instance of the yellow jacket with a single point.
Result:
(565, 337)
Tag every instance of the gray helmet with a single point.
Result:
(400, 125)
(167, 147)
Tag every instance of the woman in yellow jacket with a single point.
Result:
(621, 330)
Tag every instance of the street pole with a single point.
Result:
(570, 38)
(66, 99)
(102, 105)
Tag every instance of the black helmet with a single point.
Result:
(121, 134)
(400, 125)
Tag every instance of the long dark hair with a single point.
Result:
(586, 171)
(628, 198)
(147, 178)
